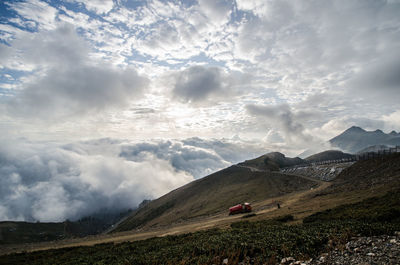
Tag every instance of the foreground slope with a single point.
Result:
(215, 194)
(260, 242)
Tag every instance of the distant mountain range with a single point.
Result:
(355, 139)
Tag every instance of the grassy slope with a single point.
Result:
(272, 161)
(372, 174)
(213, 194)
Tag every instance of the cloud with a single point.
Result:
(36, 11)
(76, 91)
(194, 155)
(49, 181)
(218, 11)
(392, 120)
(200, 84)
(98, 6)
(67, 81)
(379, 80)
(282, 119)
(197, 83)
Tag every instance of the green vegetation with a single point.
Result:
(376, 209)
(262, 241)
(22, 232)
(156, 212)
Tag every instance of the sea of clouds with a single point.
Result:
(52, 181)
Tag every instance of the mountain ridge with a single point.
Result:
(355, 139)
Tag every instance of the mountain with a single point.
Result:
(214, 194)
(328, 155)
(355, 139)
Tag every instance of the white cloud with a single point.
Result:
(392, 120)
(218, 11)
(36, 11)
(98, 6)
(49, 183)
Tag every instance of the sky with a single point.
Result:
(120, 101)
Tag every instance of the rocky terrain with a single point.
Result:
(360, 250)
(322, 172)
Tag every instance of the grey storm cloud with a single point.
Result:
(379, 80)
(52, 182)
(198, 84)
(69, 82)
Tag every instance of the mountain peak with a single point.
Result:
(393, 133)
(355, 139)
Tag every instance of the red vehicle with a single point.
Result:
(240, 208)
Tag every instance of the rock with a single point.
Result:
(364, 250)
(287, 260)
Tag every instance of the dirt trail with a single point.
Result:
(252, 169)
(263, 209)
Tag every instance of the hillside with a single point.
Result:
(373, 148)
(214, 194)
(272, 162)
(370, 174)
(328, 155)
(355, 139)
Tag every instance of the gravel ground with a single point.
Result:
(360, 250)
